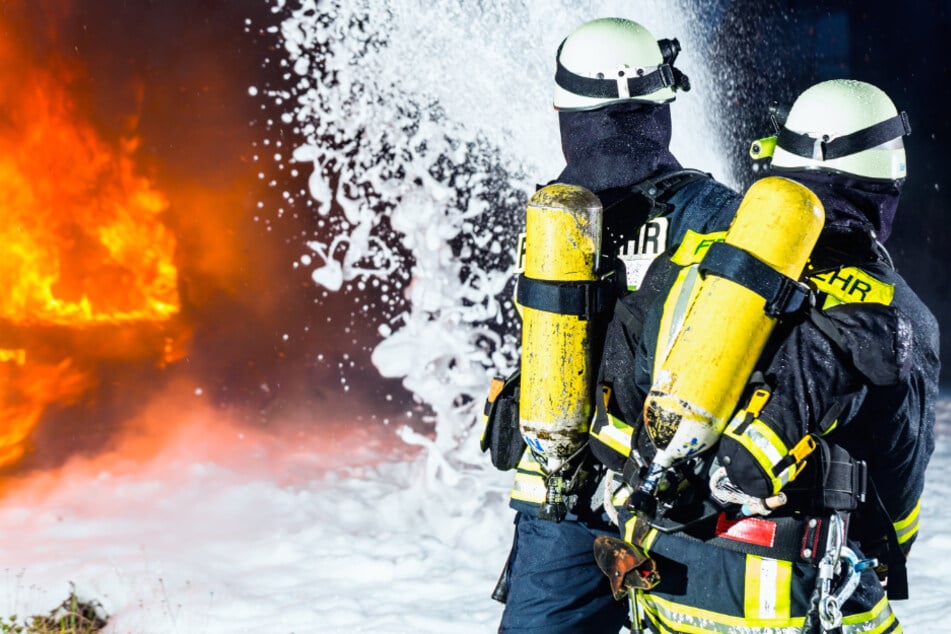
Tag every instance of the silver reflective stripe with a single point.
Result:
(681, 618)
(529, 485)
(877, 620)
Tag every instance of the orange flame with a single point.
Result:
(81, 229)
(82, 240)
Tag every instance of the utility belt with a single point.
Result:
(796, 539)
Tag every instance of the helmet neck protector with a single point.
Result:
(617, 145)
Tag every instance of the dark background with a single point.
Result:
(773, 49)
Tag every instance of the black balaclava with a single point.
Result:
(616, 146)
(852, 202)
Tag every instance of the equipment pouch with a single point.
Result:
(843, 479)
(501, 436)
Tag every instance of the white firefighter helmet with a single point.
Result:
(609, 60)
(844, 126)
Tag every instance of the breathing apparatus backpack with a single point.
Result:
(836, 483)
(549, 412)
(586, 304)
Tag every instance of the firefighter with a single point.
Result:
(613, 85)
(801, 517)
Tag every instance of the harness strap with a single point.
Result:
(631, 322)
(897, 589)
(657, 189)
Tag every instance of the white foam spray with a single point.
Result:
(426, 126)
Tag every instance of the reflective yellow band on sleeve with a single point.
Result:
(851, 285)
(767, 589)
(529, 485)
(529, 464)
(766, 448)
(907, 527)
(877, 620)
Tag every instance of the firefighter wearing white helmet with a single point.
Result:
(613, 86)
(612, 59)
(840, 136)
(812, 496)
(844, 126)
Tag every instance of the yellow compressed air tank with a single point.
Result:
(707, 364)
(562, 245)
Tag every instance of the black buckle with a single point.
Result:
(791, 297)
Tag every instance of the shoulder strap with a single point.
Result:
(658, 189)
(897, 569)
(624, 314)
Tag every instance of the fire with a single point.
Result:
(81, 230)
(84, 248)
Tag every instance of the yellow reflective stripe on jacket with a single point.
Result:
(694, 246)
(877, 620)
(767, 589)
(529, 483)
(851, 285)
(616, 435)
(764, 446)
(682, 618)
(907, 527)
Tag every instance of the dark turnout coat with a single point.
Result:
(857, 375)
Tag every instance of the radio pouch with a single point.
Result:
(501, 436)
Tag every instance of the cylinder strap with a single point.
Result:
(586, 300)
(783, 295)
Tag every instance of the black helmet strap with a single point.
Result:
(664, 76)
(824, 149)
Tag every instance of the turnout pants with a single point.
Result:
(555, 585)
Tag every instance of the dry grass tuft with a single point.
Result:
(73, 616)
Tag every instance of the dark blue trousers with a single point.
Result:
(555, 586)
